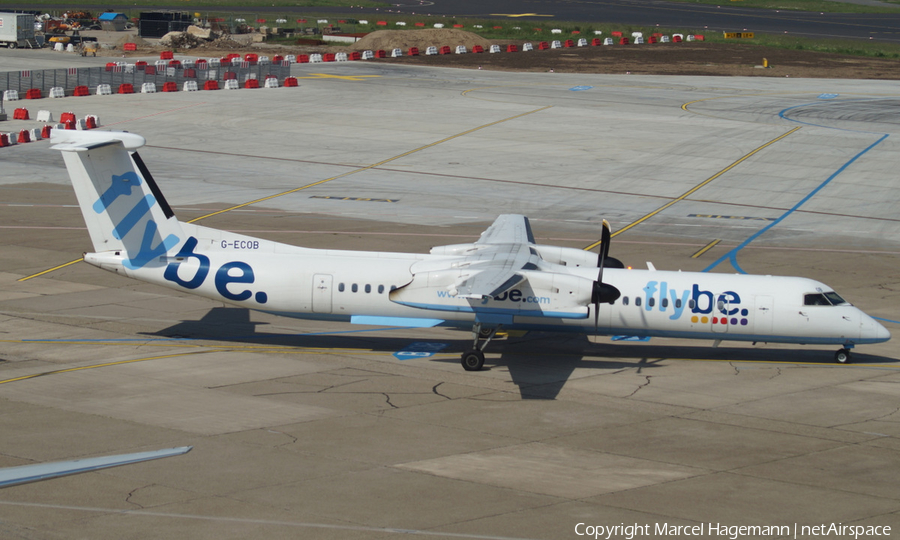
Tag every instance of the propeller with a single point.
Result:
(604, 293)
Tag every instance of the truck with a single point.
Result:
(17, 30)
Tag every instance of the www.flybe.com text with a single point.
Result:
(732, 532)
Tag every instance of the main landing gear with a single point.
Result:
(473, 359)
(842, 356)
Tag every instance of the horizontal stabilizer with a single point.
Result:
(80, 141)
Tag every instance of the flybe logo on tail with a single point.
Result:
(145, 251)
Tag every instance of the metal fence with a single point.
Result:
(137, 75)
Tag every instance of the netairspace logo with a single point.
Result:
(732, 532)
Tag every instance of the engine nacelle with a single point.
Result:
(454, 249)
(567, 256)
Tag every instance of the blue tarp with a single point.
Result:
(111, 16)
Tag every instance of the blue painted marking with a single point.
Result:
(121, 185)
(404, 322)
(732, 255)
(827, 96)
(630, 338)
(580, 88)
(886, 320)
(419, 350)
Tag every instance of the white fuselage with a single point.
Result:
(379, 288)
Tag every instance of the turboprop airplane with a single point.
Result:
(502, 280)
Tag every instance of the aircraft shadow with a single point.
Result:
(539, 364)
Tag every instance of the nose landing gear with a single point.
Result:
(842, 356)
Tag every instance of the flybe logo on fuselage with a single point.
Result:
(228, 273)
(704, 305)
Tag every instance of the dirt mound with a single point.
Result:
(404, 39)
(133, 38)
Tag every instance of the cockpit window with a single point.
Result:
(823, 299)
(815, 299)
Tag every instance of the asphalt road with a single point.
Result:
(880, 26)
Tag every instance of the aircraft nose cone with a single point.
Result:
(881, 332)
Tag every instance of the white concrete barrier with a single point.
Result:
(231, 84)
(264, 61)
(432, 50)
(214, 62)
(59, 47)
(341, 57)
(461, 49)
(556, 44)
(400, 23)
(271, 82)
(292, 58)
(315, 58)
(148, 88)
(79, 124)
(162, 63)
(637, 34)
(527, 47)
(494, 49)
(70, 48)
(638, 40)
(664, 39)
(582, 42)
(57, 92)
(396, 53)
(35, 134)
(690, 37)
(607, 41)
(170, 72)
(598, 32)
(44, 116)
(104, 90)
(556, 31)
(438, 25)
(10, 95)
(13, 138)
(190, 86)
(366, 55)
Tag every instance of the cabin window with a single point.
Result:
(815, 299)
(678, 303)
(354, 287)
(637, 301)
(368, 288)
(651, 301)
(381, 289)
(624, 300)
(664, 302)
(340, 287)
(692, 304)
(721, 305)
(835, 298)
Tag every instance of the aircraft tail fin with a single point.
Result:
(122, 206)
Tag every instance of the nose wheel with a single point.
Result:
(473, 359)
(842, 356)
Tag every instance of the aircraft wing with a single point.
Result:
(13, 476)
(508, 229)
(503, 250)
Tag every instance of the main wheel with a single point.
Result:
(473, 360)
(842, 356)
(13, 45)
(485, 333)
